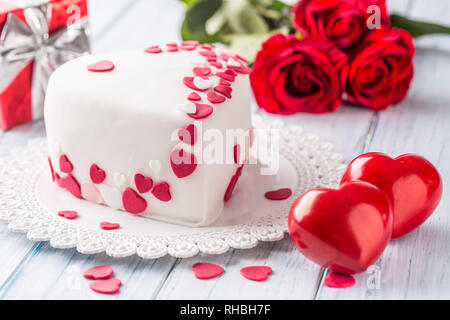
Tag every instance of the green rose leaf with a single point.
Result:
(197, 14)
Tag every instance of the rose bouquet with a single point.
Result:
(310, 56)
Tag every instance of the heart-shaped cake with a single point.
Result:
(108, 117)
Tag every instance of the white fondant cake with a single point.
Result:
(115, 129)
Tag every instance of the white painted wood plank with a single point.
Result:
(57, 274)
(416, 266)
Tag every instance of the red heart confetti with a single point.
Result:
(211, 59)
(189, 82)
(98, 272)
(101, 66)
(203, 111)
(194, 96)
(256, 273)
(189, 43)
(241, 69)
(64, 164)
(108, 286)
(339, 280)
(109, 225)
(214, 97)
(132, 202)
(183, 163)
(153, 49)
(143, 183)
(161, 191)
(188, 135)
(201, 71)
(97, 174)
(225, 90)
(224, 56)
(280, 194)
(172, 47)
(68, 214)
(51, 168)
(71, 184)
(206, 270)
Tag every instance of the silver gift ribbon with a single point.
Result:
(22, 43)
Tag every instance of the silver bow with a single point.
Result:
(22, 43)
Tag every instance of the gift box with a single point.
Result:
(36, 36)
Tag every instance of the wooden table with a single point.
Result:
(415, 266)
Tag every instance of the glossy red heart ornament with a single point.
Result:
(411, 183)
(345, 230)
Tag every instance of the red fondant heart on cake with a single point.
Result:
(241, 69)
(132, 202)
(97, 174)
(64, 164)
(161, 191)
(51, 168)
(228, 75)
(188, 135)
(194, 96)
(345, 230)
(280, 194)
(189, 82)
(339, 280)
(109, 225)
(214, 97)
(143, 183)
(98, 272)
(108, 286)
(216, 64)
(203, 111)
(101, 66)
(206, 270)
(232, 184)
(58, 180)
(224, 82)
(201, 71)
(183, 163)
(256, 273)
(411, 182)
(71, 184)
(153, 49)
(225, 90)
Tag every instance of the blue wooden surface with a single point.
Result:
(415, 266)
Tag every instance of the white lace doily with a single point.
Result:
(24, 174)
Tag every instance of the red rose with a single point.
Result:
(343, 22)
(381, 71)
(291, 76)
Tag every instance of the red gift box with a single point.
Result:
(35, 38)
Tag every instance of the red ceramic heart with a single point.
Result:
(412, 184)
(161, 191)
(98, 272)
(143, 183)
(106, 286)
(206, 270)
(183, 163)
(97, 174)
(345, 230)
(256, 273)
(101, 66)
(132, 202)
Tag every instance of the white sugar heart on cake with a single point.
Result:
(111, 120)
